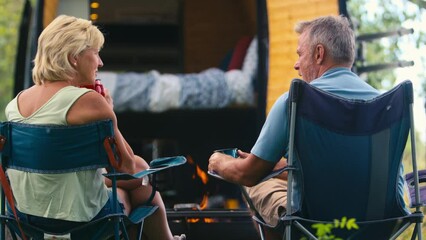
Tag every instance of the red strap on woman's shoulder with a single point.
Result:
(114, 159)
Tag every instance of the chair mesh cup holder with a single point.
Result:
(409, 178)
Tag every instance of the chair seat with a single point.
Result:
(140, 213)
(101, 228)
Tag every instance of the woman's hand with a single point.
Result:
(108, 98)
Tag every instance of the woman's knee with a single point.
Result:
(140, 163)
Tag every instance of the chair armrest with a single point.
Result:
(119, 176)
(155, 166)
(274, 173)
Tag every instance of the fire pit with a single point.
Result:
(213, 224)
(200, 206)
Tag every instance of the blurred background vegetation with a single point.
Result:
(10, 16)
(383, 15)
(387, 16)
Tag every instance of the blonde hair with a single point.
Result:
(65, 36)
(334, 33)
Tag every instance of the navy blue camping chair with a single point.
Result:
(37, 148)
(345, 161)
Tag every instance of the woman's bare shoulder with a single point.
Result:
(90, 107)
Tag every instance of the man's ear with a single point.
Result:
(319, 53)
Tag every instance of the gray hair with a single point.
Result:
(334, 33)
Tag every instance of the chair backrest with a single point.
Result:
(349, 153)
(55, 149)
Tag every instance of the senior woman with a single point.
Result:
(67, 58)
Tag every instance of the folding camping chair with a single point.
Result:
(345, 162)
(347, 159)
(37, 148)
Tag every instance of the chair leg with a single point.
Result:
(414, 234)
(287, 233)
(2, 232)
(12, 234)
(261, 231)
(2, 212)
(5, 232)
(124, 232)
(140, 228)
(419, 231)
(134, 231)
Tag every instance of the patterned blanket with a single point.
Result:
(156, 92)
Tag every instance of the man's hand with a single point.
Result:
(245, 170)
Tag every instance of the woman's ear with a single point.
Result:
(72, 60)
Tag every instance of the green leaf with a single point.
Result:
(352, 224)
(336, 223)
(343, 222)
(322, 229)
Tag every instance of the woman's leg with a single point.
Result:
(133, 194)
(156, 226)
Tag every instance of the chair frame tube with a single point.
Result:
(290, 163)
(2, 226)
(415, 170)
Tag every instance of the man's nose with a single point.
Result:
(296, 66)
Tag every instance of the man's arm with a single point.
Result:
(247, 170)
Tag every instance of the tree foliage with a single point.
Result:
(387, 16)
(382, 16)
(10, 15)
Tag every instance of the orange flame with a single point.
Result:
(190, 160)
(204, 202)
(210, 220)
(193, 220)
(204, 179)
(205, 220)
(202, 175)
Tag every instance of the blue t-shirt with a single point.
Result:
(272, 143)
